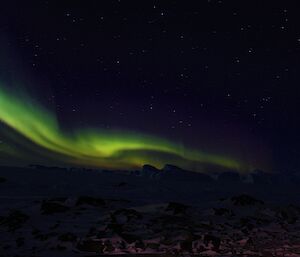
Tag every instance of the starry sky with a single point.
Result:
(218, 79)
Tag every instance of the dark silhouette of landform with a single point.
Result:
(52, 211)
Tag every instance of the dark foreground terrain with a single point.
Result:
(56, 212)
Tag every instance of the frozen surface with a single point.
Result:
(59, 212)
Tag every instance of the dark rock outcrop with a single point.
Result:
(49, 207)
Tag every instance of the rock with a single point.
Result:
(186, 245)
(45, 237)
(61, 247)
(150, 172)
(246, 224)
(67, 237)
(216, 241)
(115, 228)
(177, 208)
(126, 215)
(288, 214)
(172, 168)
(97, 202)
(171, 221)
(58, 199)
(101, 234)
(91, 246)
(129, 238)
(171, 172)
(108, 247)
(14, 220)
(153, 246)
(139, 244)
(222, 211)
(244, 200)
(51, 207)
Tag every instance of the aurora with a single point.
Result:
(114, 149)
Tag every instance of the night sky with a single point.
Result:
(214, 82)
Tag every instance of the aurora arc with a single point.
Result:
(99, 148)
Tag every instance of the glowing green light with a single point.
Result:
(98, 148)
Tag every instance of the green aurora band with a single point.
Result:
(98, 148)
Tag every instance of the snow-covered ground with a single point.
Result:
(56, 212)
